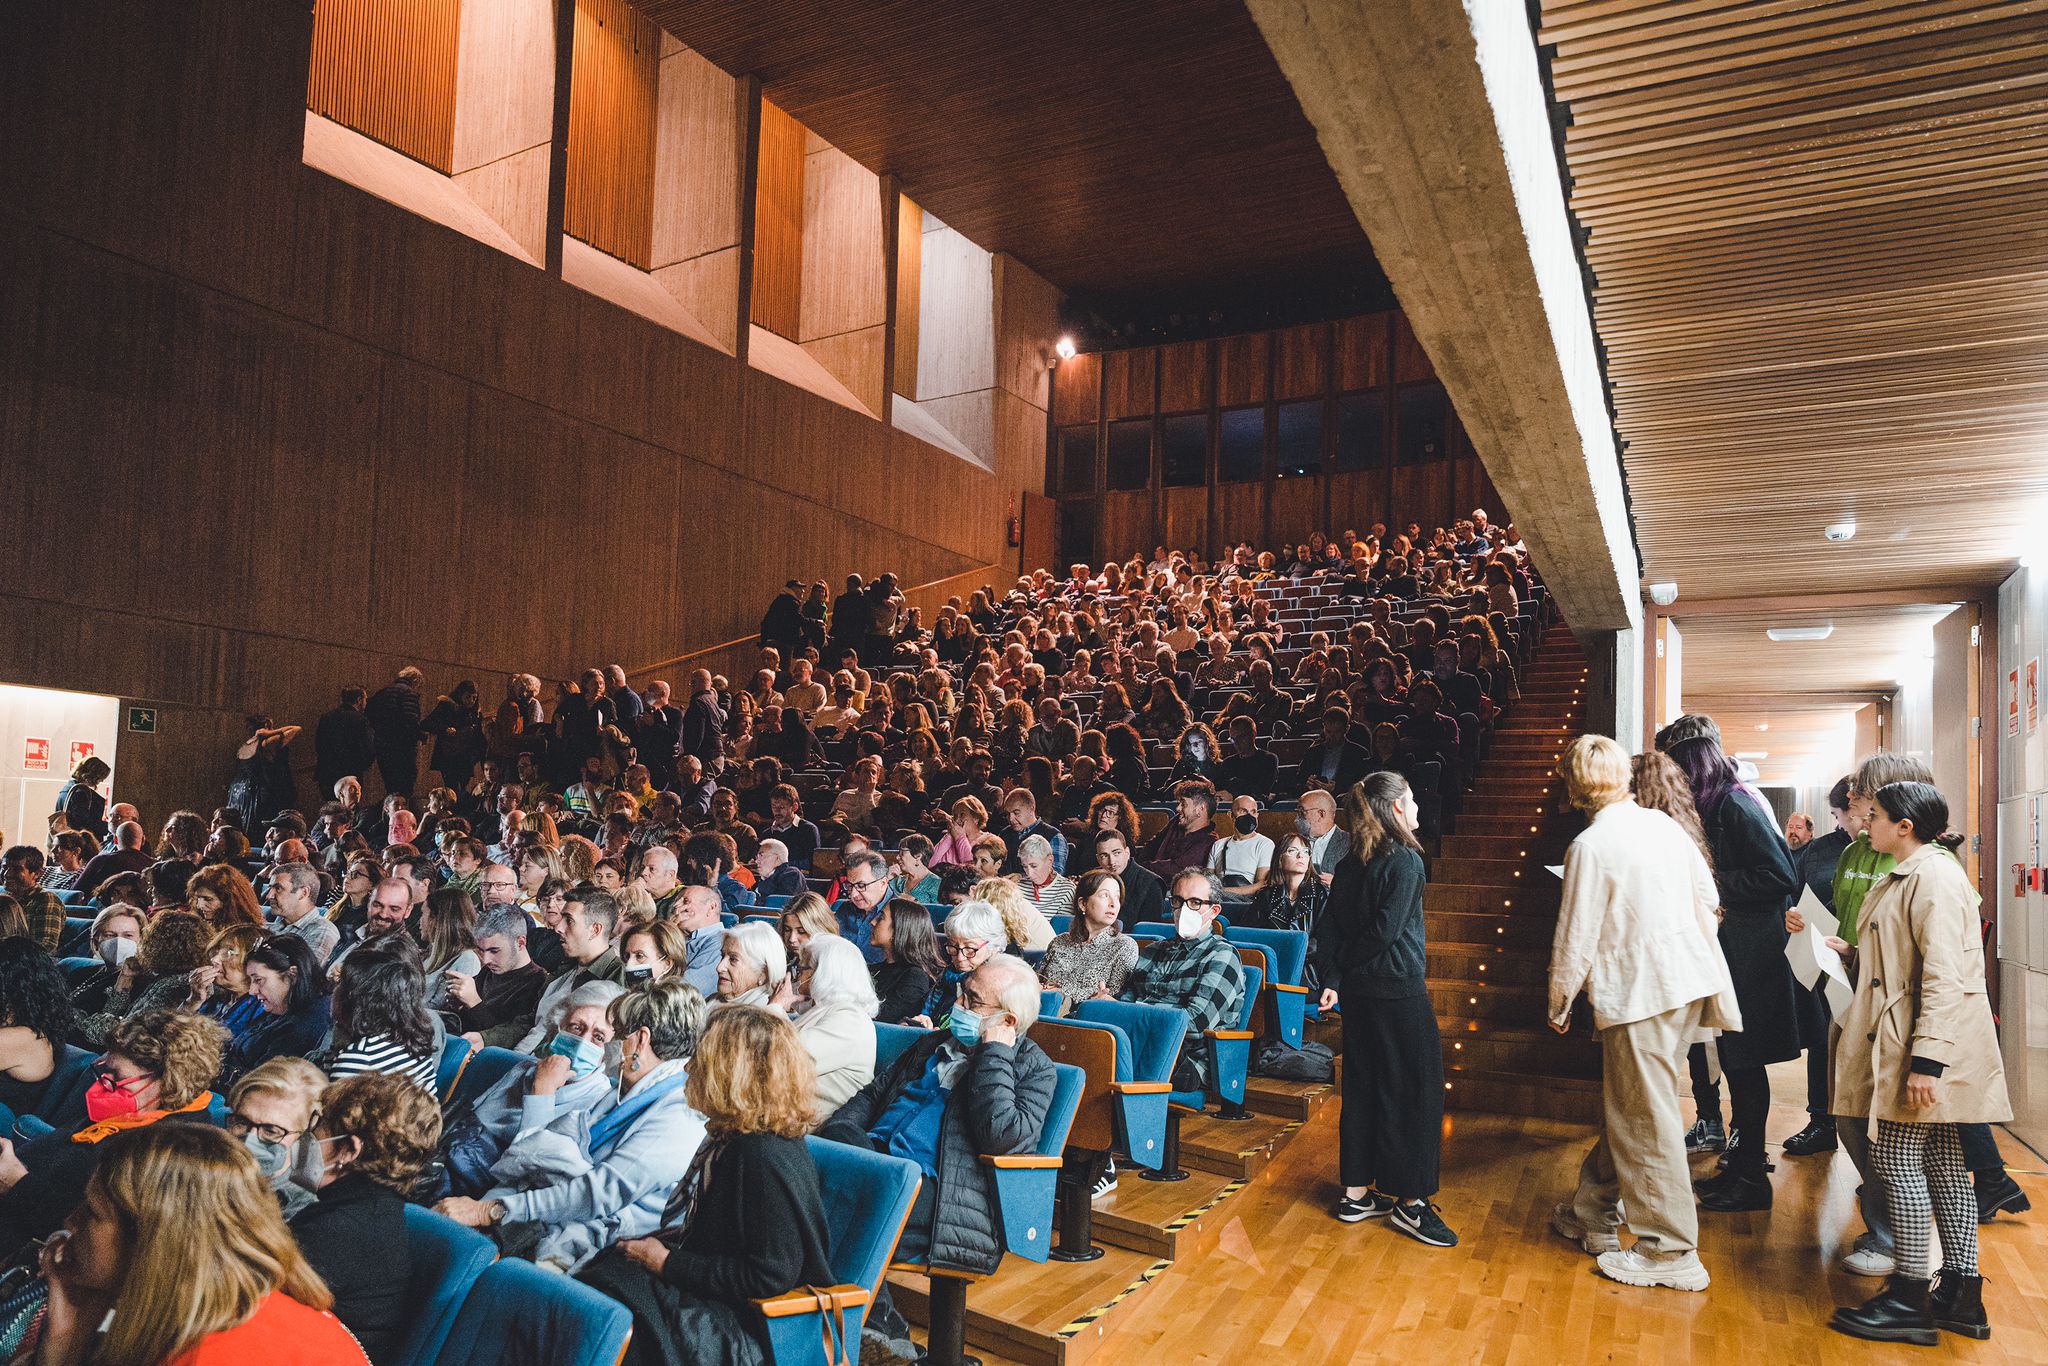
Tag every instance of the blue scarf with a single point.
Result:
(629, 1108)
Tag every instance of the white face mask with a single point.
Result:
(1188, 924)
(115, 952)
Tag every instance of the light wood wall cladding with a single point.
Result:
(612, 96)
(460, 462)
(1186, 517)
(909, 293)
(1077, 396)
(778, 298)
(1362, 352)
(1817, 236)
(387, 68)
(1183, 377)
(845, 274)
(956, 351)
(698, 123)
(504, 81)
(1129, 384)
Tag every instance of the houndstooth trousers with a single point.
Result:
(1922, 1168)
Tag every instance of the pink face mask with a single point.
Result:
(108, 1099)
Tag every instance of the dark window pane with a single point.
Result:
(1184, 450)
(1419, 426)
(1077, 531)
(1298, 443)
(1077, 460)
(1361, 432)
(1241, 445)
(1130, 454)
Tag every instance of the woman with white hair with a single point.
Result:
(835, 1017)
(1048, 891)
(754, 968)
(974, 933)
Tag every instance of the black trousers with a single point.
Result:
(1749, 1105)
(1706, 1092)
(1390, 1132)
(1817, 1059)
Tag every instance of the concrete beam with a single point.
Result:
(1434, 118)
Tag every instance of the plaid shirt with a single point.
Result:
(1201, 976)
(45, 918)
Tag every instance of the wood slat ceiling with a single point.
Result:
(1805, 745)
(1113, 146)
(1820, 238)
(1872, 650)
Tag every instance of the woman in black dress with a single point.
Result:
(263, 784)
(746, 1222)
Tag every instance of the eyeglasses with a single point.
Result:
(241, 1126)
(957, 949)
(1190, 903)
(107, 1081)
(863, 886)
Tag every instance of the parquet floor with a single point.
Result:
(1286, 1283)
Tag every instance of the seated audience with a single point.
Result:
(1187, 839)
(1092, 957)
(495, 1007)
(220, 988)
(911, 962)
(834, 1011)
(753, 969)
(803, 920)
(35, 1021)
(295, 897)
(652, 950)
(699, 916)
(1294, 897)
(1197, 970)
(774, 874)
(286, 980)
(381, 1024)
(974, 933)
(1040, 880)
(271, 1111)
(158, 976)
(1244, 859)
(590, 919)
(1025, 926)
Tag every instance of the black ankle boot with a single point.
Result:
(1958, 1305)
(1900, 1313)
(1817, 1137)
(1735, 1191)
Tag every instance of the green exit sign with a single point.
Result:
(142, 720)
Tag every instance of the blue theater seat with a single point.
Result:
(1286, 953)
(1149, 1040)
(483, 1071)
(446, 1261)
(518, 1315)
(455, 1054)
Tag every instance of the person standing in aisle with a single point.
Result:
(1372, 955)
(1918, 1058)
(1636, 932)
(1815, 862)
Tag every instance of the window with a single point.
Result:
(1184, 450)
(1361, 432)
(1298, 440)
(1077, 460)
(1077, 531)
(1130, 453)
(1241, 445)
(1420, 426)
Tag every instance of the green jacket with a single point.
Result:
(1856, 873)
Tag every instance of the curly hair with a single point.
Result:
(182, 1050)
(1126, 814)
(398, 1124)
(751, 1074)
(1660, 785)
(33, 993)
(176, 941)
(229, 886)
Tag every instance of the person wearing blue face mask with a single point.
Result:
(572, 1183)
(980, 1087)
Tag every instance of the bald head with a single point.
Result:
(129, 835)
(698, 909)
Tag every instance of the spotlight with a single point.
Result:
(1064, 348)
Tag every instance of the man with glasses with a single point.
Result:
(866, 887)
(1196, 970)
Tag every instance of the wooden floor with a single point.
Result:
(1283, 1282)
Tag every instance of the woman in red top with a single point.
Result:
(178, 1257)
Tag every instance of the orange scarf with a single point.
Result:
(107, 1128)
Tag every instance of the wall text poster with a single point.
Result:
(2030, 684)
(2012, 702)
(35, 755)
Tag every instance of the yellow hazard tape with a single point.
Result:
(1145, 1277)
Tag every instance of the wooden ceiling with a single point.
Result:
(1114, 146)
(1802, 744)
(1872, 650)
(1820, 238)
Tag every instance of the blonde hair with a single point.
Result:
(293, 1079)
(636, 903)
(812, 913)
(1008, 900)
(752, 1075)
(204, 1241)
(1595, 772)
(578, 857)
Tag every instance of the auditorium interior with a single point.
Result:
(1697, 348)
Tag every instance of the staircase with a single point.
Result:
(1491, 908)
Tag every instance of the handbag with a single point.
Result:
(832, 1328)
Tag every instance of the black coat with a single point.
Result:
(342, 748)
(998, 1107)
(394, 716)
(354, 1236)
(1753, 871)
(703, 731)
(1144, 895)
(1354, 761)
(58, 1170)
(83, 807)
(782, 625)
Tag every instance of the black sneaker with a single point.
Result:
(2000, 1192)
(1730, 1153)
(1104, 1183)
(1420, 1222)
(1706, 1136)
(1817, 1137)
(1371, 1205)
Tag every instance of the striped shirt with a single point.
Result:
(382, 1053)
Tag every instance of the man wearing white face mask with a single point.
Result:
(1196, 970)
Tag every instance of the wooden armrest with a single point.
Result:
(1027, 1161)
(1140, 1088)
(920, 1269)
(1232, 1034)
(804, 1302)
(1286, 986)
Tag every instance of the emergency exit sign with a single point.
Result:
(142, 720)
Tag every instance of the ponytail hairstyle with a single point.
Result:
(1369, 812)
(1922, 806)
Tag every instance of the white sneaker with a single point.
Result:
(1565, 1222)
(1867, 1259)
(1633, 1268)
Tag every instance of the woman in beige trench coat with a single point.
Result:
(1918, 1055)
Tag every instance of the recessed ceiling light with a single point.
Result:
(1801, 632)
(1752, 754)
(1763, 725)
(1664, 593)
(1839, 531)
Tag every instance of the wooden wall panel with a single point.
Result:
(1362, 352)
(1301, 361)
(1241, 369)
(845, 279)
(1410, 362)
(1297, 510)
(1357, 500)
(957, 312)
(1240, 516)
(1076, 390)
(779, 224)
(1128, 525)
(612, 98)
(1183, 377)
(1128, 384)
(698, 127)
(909, 292)
(504, 81)
(387, 68)
(1186, 519)
(1422, 493)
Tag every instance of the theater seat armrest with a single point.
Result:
(1140, 1088)
(1007, 1162)
(920, 1269)
(804, 1302)
(1232, 1034)
(1283, 986)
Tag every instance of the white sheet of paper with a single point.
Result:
(1816, 914)
(1557, 868)
(1813, 961)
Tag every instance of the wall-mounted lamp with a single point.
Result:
(1064, 348)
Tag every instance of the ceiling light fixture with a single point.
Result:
(1801, 632)
(1840, 531)
(1064, 348)
(1664, 593)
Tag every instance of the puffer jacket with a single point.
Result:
(997, 1107)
